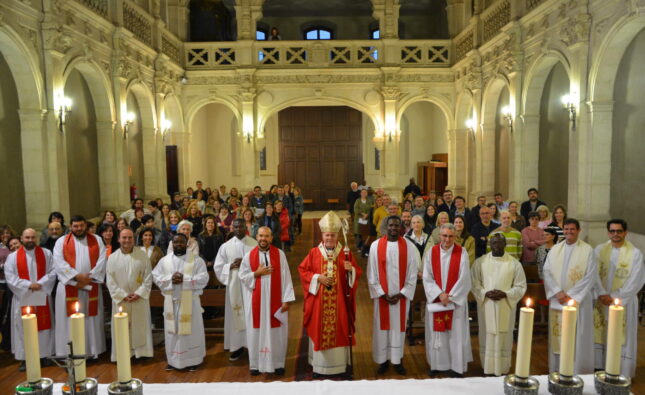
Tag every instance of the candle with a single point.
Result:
(524, 339)
(32, 351)
(122, 348)
(568, 338)
(614, 338)
(77, 333)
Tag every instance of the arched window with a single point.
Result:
(260, 35)
(375, 34)
(318, 33)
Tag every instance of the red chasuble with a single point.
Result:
(384, 307)
(43, 316)
(71, 292)
(276, 286)
(442, 321)
(325, 313)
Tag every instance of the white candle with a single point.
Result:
(524, 341)
(77, 333)
(32, 351)
(568, 338)
(122, 348)
(614, 338)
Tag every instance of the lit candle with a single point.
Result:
(122, 348)
(614, 338)
(77, 333)
(568, 338)
(32, 351)
(524, 339)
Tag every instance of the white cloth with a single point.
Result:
(628, 295)
(191, 248)
(449, 350)
(94, 326)
(389, 345)
(20, 290)
(497, 318)
(581, 293)
(267, 346)
(127, 274)
(234, 320)
(184, 350)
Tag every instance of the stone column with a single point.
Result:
(109, 180)
(456, 10)
(391, 146)
(387, 13)
(248, 154)
(178, 17)
(527, 164)
(458, 161)
(150, 164)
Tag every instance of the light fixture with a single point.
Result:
(247, 127)
(470, 125)
(568, 102)
(184, 79)
(166, 124)
(508, 116)
(64, 107)
(129, 120)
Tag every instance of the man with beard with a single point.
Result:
(31, 277)
(54, 231)
(79, 260)
(227, 264)
(181, 277)
(267, 291)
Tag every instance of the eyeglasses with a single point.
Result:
(618, 231)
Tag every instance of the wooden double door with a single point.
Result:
(321, 150)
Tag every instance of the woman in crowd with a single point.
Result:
(517, 221)
(532, 238)
(249, 221)
(146, 241)
(559, 216)
(442, 218)
(199, 200)
(136, 222)
(362, 208)
(109, 217)
(185, 202)
(6, 233)
(244, 205)
(550, 239)
(224, 221)
(418, 237)
(109, 235)
(210, 241)
(55, 216)
(195, 216)
(430, 219)
(213, 207)
(463, 238)
(121, 224)
(271, 220)
(545, 216)
(165, 220)
(185, 227)
(173, 221)
(299, 209)
(216, 196)
(494, 214)
(235, 194)
(283, 214)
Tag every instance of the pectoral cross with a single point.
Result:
(237, 309)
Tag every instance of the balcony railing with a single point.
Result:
(494, 18)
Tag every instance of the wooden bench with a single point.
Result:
(531, 272)
(307, 201)
(536, 292)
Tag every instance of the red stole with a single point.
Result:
(384, 307)
(71, 292)
(276, 286)
(43, 316)
(443, 321)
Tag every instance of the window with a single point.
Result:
(375, 34)
(260, 35)
(263, 159)
(377, 159)
(318, 34)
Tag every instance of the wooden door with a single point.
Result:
(172, 169)
(321, 150)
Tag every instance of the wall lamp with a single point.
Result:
(166, 124)
(62, 111)
(129, 120)
(470, 125)
(508, 116)
(567, 101)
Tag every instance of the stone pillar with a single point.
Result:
(391, 137)
(527, 164)
(150, 165)
(248, 154)
(178, 15)
(458, 161)
(387, 13)
(109, 180)
(456, 10)
(247, 13)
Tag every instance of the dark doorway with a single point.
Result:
(172, 169)
(321, 150)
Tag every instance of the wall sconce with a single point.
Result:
(567, 101)
(247, 127)
(470, 125)
(166, 124)
(129, 120)
(508, 116)
(62, 111)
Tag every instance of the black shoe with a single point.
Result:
(255, 372)
(433, 373)
(456, 375)
(382, 368)
(45, 362)
(235, 355)
(193, 368)
(22, 366)
(317, 375)
(279, 372)
(169, 368)
(400, 369)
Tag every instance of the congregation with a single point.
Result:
(437, 240)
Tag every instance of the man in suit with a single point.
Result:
(448, 204)
(532, 204)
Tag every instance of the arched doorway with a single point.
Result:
(496, 140)
(141, 144)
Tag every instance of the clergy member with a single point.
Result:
(181, 276)
(227, 264)
(570, 273)
(79, 260)
(447, 281)
(267, 290)
(620, 276)
(498, 284)
(329, 277)
(128, 276)
(392, 268)
(31, 277)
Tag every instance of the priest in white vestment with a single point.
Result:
(447, 282)
(227, 264)
(392, 270)
(128, 276)
(621, 274)
(30, 275)
(267, 290)
(570, 273)
(499, 283)
(181, 277)
(79, 260)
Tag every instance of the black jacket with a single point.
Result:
(526, 208)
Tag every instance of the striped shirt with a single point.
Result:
(513, 242)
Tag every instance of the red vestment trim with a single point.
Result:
(71, 292)
(384, 307)
(443, 321)
(276, 286)
(43, 315)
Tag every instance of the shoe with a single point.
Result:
(255, 372)
(22, 367)
(193, 368)
(382, 368)
(433, 373)
(456, 375)
(316, 375)
(45, 362)
(400, 369)
(169, 368)
(235, 355)
(279, 372)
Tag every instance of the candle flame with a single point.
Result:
(28, 310)
(77, 307)
(528, 302)
(120, 309)
(571, 302)
(616, 302)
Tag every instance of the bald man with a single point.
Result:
(31, 277)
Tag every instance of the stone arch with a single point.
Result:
(494, 145)
(193, 107)
(442, 103)
(536, 77)
(99, 85)
(24, 67)
(173, 112)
